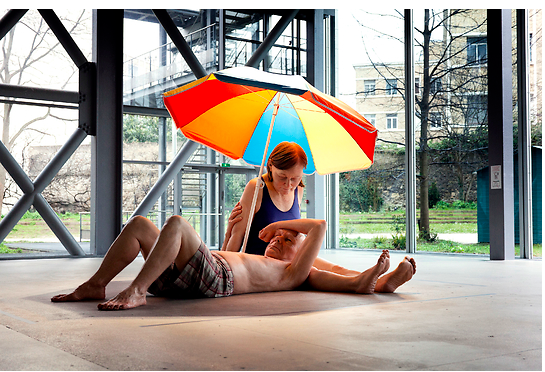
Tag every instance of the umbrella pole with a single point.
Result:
(259, 181)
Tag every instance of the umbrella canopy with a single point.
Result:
(232, 110)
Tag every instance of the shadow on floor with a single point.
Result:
(255, 304)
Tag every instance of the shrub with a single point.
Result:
(427, 236)
(457, 204)
(399, 241)
(434, 196)
(347, 243)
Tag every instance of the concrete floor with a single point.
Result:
(458, 313)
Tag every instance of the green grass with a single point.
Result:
(442, 228)
(441, 246)
(7, 250)
(384, 221)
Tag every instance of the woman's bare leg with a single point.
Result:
(138, 235)
(362, 283)
(177, 243)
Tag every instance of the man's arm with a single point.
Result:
(300, 266)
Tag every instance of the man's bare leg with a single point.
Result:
(138, 235)
(362, 283)
(177, 243)
(402, 274)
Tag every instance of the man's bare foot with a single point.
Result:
(402, 274)
(86, 291)
(368, 279)
(129, 298)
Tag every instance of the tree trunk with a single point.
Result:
(6, 142)
(424, 109)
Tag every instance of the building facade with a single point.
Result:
(452, 96)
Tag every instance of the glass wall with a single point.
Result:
(371, 74)
(34, 130)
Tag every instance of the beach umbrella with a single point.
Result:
(244, 112)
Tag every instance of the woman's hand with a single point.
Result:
(234, 218)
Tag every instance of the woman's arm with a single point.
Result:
(234, 218)
(237, 233)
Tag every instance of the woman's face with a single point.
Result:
(286, 180)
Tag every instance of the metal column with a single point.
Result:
(316, 187)
(500, 135)
(162, 127)
(106, 153)
(332, 180)
(410, 152)
(524, 140)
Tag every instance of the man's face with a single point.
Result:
(283, 246)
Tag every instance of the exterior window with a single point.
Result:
(436, 85)
(391, 121)
(476, 50)
(477, 109)
(416, 85)
(371, 118)
(435, 120)
(391, 86)
(369, 87)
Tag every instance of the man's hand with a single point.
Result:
(267, 233)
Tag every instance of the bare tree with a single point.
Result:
(20, 68)
(450, 102)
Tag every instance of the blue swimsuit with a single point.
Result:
(267, 214)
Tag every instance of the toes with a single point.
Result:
(413, 262)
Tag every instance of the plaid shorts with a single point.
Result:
(207, 274)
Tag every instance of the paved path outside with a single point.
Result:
(459, 238)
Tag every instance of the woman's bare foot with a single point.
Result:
(402, 274)
(86, 291)
(129, 298)
(368, 279)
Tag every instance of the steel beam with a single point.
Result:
(9, 20)
(15, 170)
(63, 36)
(410, 148)
(58, 228)
(41, 94)
(271, 38)
(524, 140)
(500, 135)
(32, 193)
(189, 147)
(179, 41)
(164, 180)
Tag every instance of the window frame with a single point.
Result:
(369, 92)
(391, 120)
(475, 44)
(391, 89)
